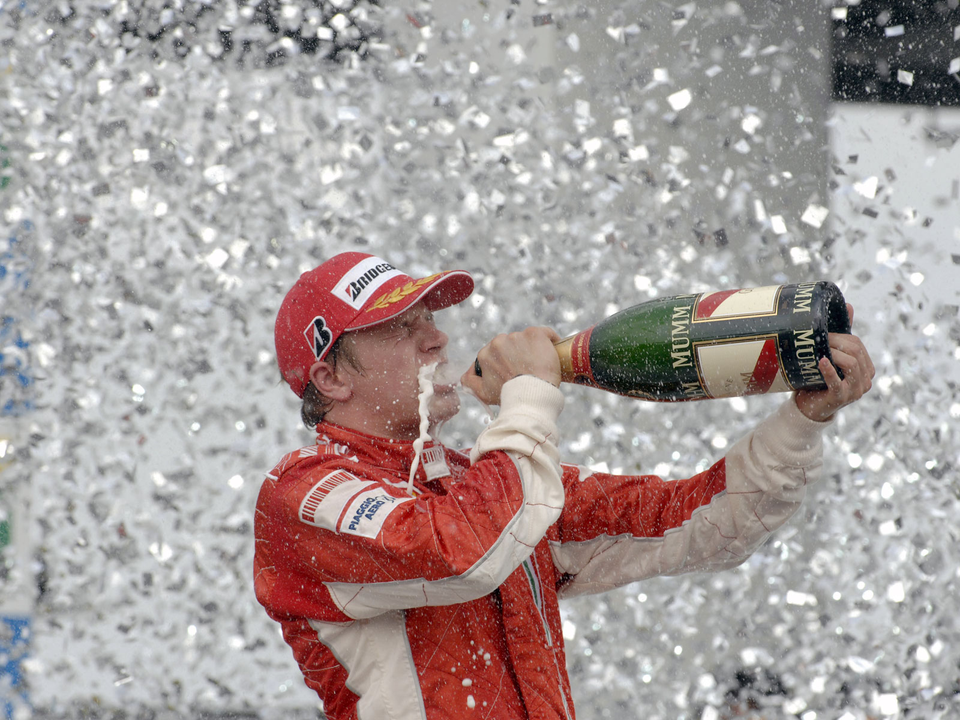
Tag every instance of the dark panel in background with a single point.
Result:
(897, 51)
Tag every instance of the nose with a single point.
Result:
(434, 339)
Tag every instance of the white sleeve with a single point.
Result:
(526, 429)
(768, 473)
(705, 525)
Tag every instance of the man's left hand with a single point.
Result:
(851, 356)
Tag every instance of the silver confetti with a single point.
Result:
(168, 169)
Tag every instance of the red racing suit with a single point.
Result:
(443, 604)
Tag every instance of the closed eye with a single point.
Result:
(407, 326)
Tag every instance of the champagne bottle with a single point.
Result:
(710, 345)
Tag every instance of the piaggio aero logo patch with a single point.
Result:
(368, 511)
(344, 503)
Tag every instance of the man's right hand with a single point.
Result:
(529, 352)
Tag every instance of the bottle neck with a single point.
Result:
(565, 352)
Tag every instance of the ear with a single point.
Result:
(332, 384)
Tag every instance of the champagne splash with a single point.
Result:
(449, 374)
(425, 380)
(489, 410)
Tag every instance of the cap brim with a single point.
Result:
(437, 292)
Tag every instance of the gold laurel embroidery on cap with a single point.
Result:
(398, 294)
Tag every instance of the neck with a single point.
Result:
(376, 423)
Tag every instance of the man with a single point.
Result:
(439, 600)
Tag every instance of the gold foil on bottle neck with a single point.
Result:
(565, 352)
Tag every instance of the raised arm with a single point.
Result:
(615, 530)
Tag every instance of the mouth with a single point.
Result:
(446, 378)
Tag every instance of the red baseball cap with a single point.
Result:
(351, 291)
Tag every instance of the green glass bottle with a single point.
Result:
(711, 345)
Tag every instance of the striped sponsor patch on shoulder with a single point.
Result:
(324, 503)
(342, 502)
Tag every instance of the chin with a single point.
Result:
(444, 406)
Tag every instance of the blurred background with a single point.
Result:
(169, 167)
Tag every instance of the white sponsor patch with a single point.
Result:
(324, 503)
(434, 463)
(342, 502)
(368, 512)
(360, 282)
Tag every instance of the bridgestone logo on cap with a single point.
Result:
(318, 336)
(360, 282)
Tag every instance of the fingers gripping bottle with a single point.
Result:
(710, 345)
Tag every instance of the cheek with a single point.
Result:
(396, 366)
(396, 379)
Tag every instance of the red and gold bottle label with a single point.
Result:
(734, 304)
(580, 358)
(745, 366)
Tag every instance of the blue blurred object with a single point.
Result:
(16, 397)
(14, 641)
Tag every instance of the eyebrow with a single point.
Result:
(415, 313)
(403, 320)
(407, 317)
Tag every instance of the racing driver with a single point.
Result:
(437, 597)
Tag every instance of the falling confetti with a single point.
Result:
(815, 215)
(179, 164)
(680, 100)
